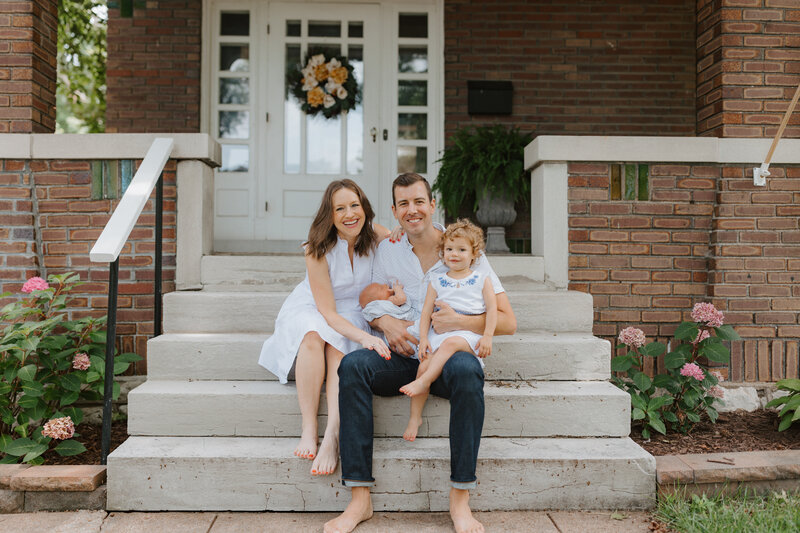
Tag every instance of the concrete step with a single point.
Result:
(269, 409)
(234, 356)
(255, 312)
(256, 474)
(276, 271)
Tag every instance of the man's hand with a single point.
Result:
(398, 296)
(446, 319)
(397, 336)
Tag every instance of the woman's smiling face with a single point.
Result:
(348, 214)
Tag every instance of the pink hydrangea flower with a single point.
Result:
(691, 370)
(701, 336)
(632, 337)
(716, 392)
(59, 428)
(706, 312)
(35, 284)
(81, 361)
(717, 375)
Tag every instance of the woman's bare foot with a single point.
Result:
(327, 458)
(307, 447)
(415, 388)
(358, 510)
(461, 514)
(413, 427)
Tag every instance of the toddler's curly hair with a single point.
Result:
(464, 229)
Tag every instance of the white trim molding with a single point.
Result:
(547, 157)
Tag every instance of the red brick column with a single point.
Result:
(748, 63)
(153, 72)
(28, 38)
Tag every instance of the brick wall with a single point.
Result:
(153, 74)
(705, 234)
(748, 66)
(615, 67)
(53, 233)
(28, 39)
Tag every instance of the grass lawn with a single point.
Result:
(774, 513)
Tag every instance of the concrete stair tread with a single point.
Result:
(267, 408)
(233, 356)
(208, 473)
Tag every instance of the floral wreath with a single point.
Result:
(325, 85)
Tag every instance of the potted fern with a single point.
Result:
(485, 163)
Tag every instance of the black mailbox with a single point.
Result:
(489, 97)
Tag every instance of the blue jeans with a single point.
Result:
(363, 373)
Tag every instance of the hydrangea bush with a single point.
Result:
(48, 364)
(676, 399)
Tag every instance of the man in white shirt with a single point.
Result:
(363, 373)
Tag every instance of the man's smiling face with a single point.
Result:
(413, 209)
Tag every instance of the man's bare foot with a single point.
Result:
(307, 447)
(327, 458)
(358, 510)
(461, 514)
(415, 388)
(413, 427)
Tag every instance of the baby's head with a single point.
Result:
(374, 291)
(462, 231)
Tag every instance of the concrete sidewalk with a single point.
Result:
(382, 522)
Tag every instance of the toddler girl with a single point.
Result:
(467, 292)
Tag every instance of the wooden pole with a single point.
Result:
(782, 127)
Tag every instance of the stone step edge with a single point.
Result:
(50, 478)
(726, 473)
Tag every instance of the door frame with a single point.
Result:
(388, 110)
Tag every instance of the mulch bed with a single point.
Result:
(91, 437)
(734, 432)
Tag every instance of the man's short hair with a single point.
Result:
(407, 179)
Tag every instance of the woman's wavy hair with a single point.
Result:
(322, 234)
(466, 230)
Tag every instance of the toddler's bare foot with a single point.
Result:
(359, 510)
(413, 427)
(415, 388)
(307, 447)
(328, 456)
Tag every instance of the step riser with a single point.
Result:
(559, 474)
(259, 272)
(210, 312)
(234, 357)
(601, 411)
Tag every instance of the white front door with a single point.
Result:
(276, 160)
(304, 153)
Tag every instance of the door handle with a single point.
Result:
(385, 134)
(374, 133)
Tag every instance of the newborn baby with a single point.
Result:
(378, 299)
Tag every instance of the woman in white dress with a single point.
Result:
(321, 320)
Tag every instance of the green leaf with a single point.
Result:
(786, 421)
(791, 384)
(687, 331)
(75, 413)
(34, 453)
(128, 357)
(674, 360)
(637, 414)
(669, 416)
(621, 363)
(21, 446)
(92, 376)
(646, 434)
(716, 352)
(33, 389)
(5, 440)
(116, 391)
(638, 402)
(691, 398)
(29, 402)
(70, 447)
(791, 405)
(658, 402)
(68, 399)
(27, 373)
(727, 333)
(98, 365)
(9, 459)
(98, 336)
(712, 414)
(654, 349)
(642, 381)
(5, 388)
(694, 417)
(70, 382)
(662, 381)
(120, 367)
(655, 422)
(775, 402)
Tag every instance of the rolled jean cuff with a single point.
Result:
(464, 485)
(354, 483)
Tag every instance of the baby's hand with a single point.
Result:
(485, 346)
(423, 349)
(399, 296)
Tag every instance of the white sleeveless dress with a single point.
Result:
(299, 314)
(465, 296)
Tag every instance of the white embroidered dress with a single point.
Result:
(465, 296)
(299, 314)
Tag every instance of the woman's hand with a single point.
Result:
(370, 342)
(396, 234)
